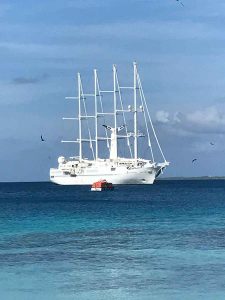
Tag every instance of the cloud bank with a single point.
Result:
(209, 120)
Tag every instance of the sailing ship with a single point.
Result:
(117, 169)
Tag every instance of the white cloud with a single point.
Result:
(162, 116)
(208, 120)
(177, 117)
(208, 117)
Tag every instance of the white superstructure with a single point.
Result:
(118, 170)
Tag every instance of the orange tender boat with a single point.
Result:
(102, 185)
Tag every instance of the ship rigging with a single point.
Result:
(132, 169)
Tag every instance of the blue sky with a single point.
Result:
(180, 51)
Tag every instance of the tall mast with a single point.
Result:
(96, 116)
(135, 113)
(115, 107)
(79, 115)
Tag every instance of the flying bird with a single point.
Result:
(42, 139)
(212, 144)
(180, 2)
(193, 160)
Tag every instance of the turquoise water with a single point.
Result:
(165, 241)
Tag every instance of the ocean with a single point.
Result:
(162, 241)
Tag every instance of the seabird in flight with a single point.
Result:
(180, 2)
(42, 139)
(193, 160)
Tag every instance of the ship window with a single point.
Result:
(52, 176)
(113, 169)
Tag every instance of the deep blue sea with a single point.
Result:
(164, 241)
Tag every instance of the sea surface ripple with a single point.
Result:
(164, 241)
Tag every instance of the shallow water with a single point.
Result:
(164, 241)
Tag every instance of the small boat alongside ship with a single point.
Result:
(102, 185)
(107, 123)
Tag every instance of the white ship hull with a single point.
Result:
(133, 178)
(121, 175)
